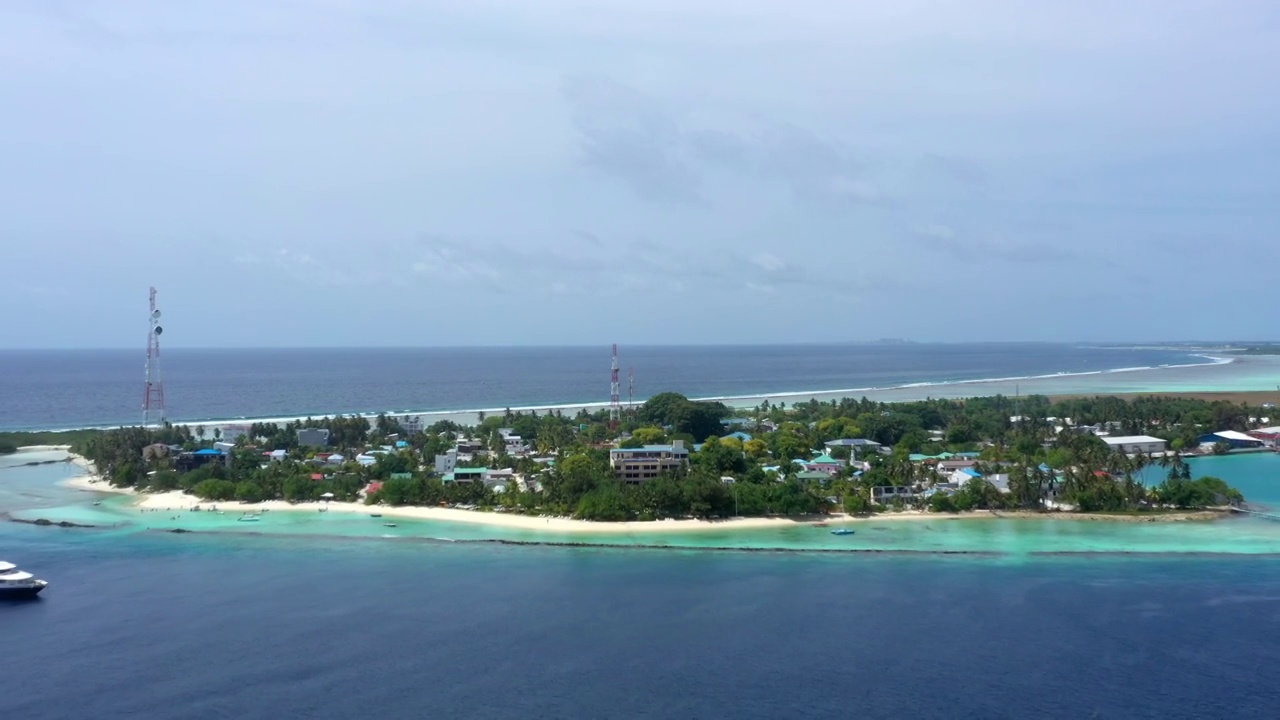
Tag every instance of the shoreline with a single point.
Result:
(176, 500)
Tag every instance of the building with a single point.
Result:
(1134, 444)
(1268, 435)
(634, 465)
(188, 461)
(232, 433)
(813, 476)
(447, 462)
(855, 445)
(738, 435)
(885, 494)
(313, 437)
(1237, 440)
(412, 424)
(466, 475)
(824, 464)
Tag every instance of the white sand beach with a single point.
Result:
(177, 500)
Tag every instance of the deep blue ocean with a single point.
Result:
(60, 389)
(164, 626)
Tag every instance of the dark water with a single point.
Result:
(58, 389)
(193, 627)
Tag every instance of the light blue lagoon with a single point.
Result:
(31, 492)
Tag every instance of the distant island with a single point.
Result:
(675, 458)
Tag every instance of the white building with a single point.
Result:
(633, 465)
(447, 462)
(1134, 444)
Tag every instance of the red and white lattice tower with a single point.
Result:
(153, 392)
(615, 394)
(631, 391)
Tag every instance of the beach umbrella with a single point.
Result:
(327, 496)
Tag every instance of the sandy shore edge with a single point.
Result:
(177, 500)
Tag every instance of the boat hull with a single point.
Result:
(20, 593)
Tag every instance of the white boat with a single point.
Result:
(247, 518)
(15, 584)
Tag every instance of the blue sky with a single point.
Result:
(381, 172)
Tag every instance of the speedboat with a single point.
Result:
(842, 531)
(15, 584)
(388, 524)
(247, 518)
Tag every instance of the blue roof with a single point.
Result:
(740, 435)
(401, 444)
(971, 472)
(1045, 468)
(207, 451)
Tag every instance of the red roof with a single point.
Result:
(317, 476)
(374, 486)
(1099, 473)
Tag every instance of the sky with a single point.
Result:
(518, 172)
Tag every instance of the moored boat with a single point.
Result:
(15, 584)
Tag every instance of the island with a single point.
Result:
(702, 463)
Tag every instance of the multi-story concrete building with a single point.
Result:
(634, 465)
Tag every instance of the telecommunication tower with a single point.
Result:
(631, 391)
(615, 395)
(153, 392)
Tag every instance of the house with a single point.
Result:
(634, 465)
(277, 455)
(412, 424)
(372, 487)
(313, 437)
(335, 459)
(737, 422)
(513, 444)
(813, 476)
(500, 477)
(824, 464)
(401, 476)
(1237, 440)
(947, 467)
(885, 494)
(741, 436)
(1134, 444)
(367, 458)
(855, 445)
(964, 475)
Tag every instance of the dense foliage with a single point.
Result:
(1039, 448)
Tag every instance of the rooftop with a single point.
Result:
(1131, 439)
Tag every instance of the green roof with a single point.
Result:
(812, 475)
(825, 460)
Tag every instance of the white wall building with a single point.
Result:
(1134, 444)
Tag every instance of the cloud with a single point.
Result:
(944, 240)
(768, 261)
(630, 136)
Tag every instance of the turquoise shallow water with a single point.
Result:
(33, 492)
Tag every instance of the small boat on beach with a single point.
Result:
(375, 514)
(18, 585)
(388, 524)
